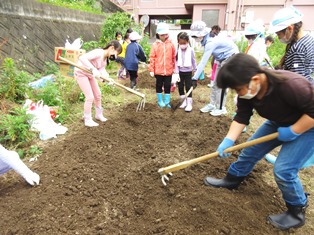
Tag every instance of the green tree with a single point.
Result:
(119, 21)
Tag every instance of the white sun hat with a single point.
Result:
(199, 29)
(255, 27)
(135, 36)
(285, 17)
(162, 28)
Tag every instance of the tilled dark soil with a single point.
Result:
(105, 180)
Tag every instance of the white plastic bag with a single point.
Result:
(42, 121)
(75, 45)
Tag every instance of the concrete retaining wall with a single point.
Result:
(29, 30)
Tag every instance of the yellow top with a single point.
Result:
(124, 45)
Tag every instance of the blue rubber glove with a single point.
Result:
(226, 143)
(286, 134)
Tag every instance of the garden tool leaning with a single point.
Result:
(166, 172)
(175, 106)
(140, 106)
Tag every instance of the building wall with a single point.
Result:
(232, 12)
(29, 32)
(198, 13)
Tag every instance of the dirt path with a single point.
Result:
(104, 180)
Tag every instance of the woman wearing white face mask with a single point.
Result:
(222, 48)
(299, 54)
(286, 100)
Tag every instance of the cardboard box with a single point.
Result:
(66, 70)
(69, 54)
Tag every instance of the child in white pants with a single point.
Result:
(10, 160)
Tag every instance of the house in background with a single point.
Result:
(230, 15)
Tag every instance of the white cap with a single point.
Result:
(162, 28)
(135, 36)
(255, 27)
(285, 17)
(199, 29)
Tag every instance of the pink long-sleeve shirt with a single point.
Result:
(92, 59)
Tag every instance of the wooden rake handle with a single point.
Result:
(108, 80)
(185, 164)
(189, 92)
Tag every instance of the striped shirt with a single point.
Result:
(300, 58)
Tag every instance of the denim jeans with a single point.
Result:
(290, 160)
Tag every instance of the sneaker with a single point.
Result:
(207, 108)
(219, 112)
(91, 123)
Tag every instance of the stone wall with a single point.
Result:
(29, 30)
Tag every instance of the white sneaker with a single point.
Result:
(207, 108)
(219, 112)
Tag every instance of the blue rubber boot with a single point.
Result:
(160, 101)
(167, 100)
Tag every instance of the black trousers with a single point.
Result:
(133, 77)
(163, 81)
(185, 81)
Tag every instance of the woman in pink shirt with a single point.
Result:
(96, 61)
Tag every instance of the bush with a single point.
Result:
(119, 21)
(14, 128)
(14, 83)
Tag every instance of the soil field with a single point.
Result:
(105, 180)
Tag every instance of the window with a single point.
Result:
(210, 17)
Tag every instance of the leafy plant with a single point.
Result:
(82, 5)
(50, 68)
(13, 83)
(34, 150)
(276, 51)
(146, 46)
(88, 46)
(109, 89)
(14, 127)
(119, 21)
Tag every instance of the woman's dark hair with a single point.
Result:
(294, 39)
(183, 36)
(116, 45)
(129, 30)
(126, 36)
(253, 37)
(240, 68)
(118, 33)
(269, 38)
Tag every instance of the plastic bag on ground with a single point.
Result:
(42, 120)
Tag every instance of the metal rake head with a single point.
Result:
(165, 178)
(141, 105)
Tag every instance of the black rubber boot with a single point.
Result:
(293, 218)
(229, 181)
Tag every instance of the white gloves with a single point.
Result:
(105, 74)
(96, 73)
(11, 160)
(175, 78)
(110, 81)
(151, 74)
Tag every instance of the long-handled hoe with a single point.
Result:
(166, 172)
(140, 106)
(176, 104)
